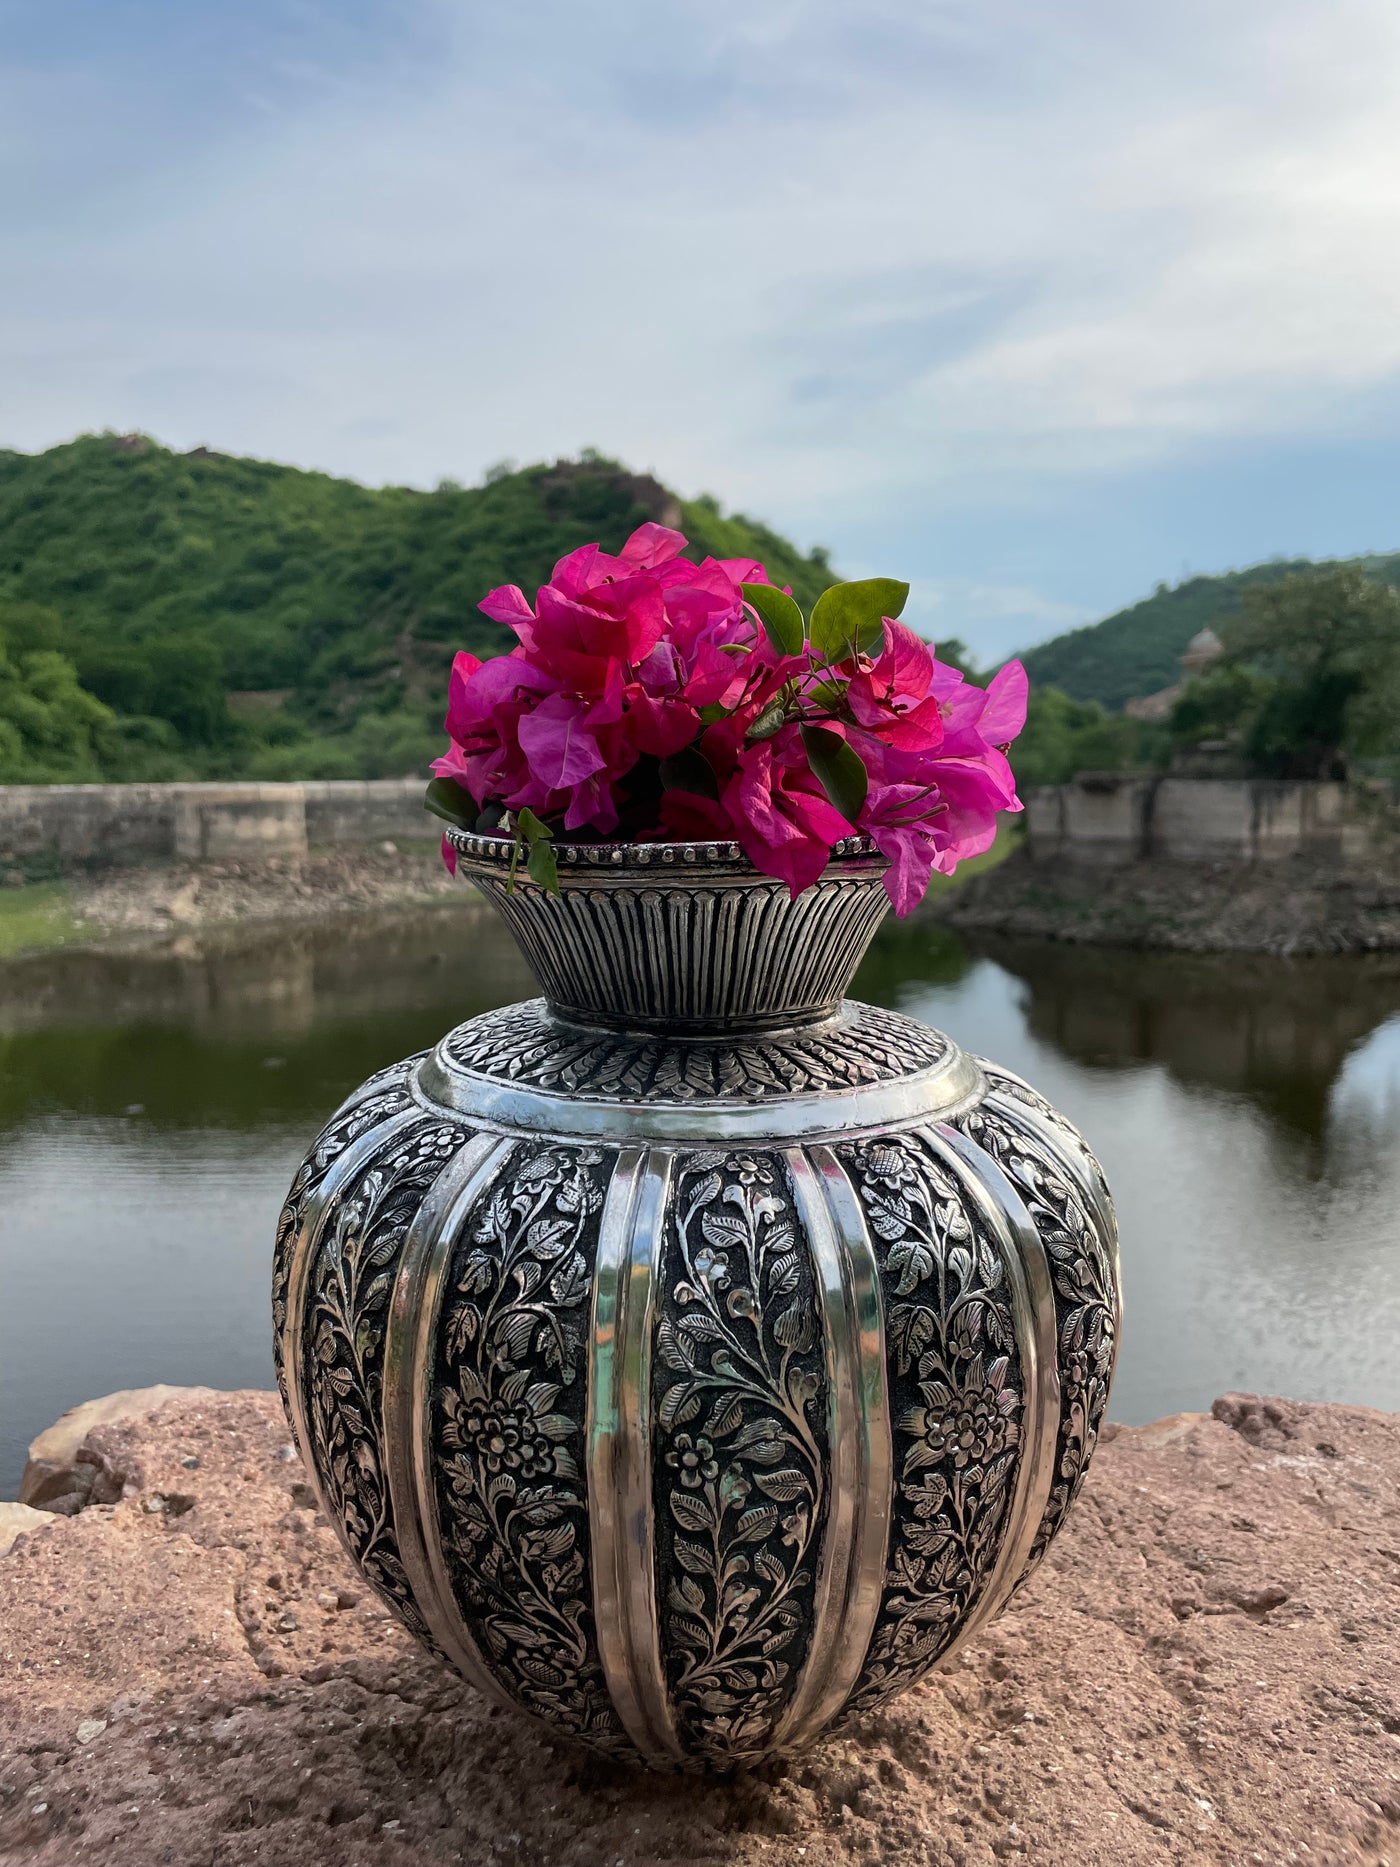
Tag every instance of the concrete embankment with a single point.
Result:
(1110, 818)
(82, 864)
(47, 829)
(1206, 1669)
(1196, 865)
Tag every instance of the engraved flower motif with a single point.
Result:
(711, 1266)
(1089, 1356)
(693, 1460)
(751, 1172)
(971, 1424)
(889, 1168)
(1074, 1372)
(515, 1432)
(505, 1440)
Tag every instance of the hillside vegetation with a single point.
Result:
(1137, 651)
(198, 615)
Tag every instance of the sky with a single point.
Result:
(1036, 303)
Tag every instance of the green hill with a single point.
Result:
(1137, 650)
(238, 618)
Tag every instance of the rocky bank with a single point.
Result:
(1206, 1670)
(141, 904)
(1291, 907)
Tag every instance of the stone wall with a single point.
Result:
(1102, 817)
(68, 826)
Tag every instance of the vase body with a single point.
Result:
(693, 1357)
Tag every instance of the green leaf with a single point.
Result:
(449, 800)
(849, 617)
(544, 870)
(712, 713)
(779, 614)
(689, 770)
(838, 768)
(531, 828)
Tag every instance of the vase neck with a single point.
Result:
(695, 948)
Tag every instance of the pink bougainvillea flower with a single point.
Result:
(487, 701)
(624, 662)
(929, 811)
(783, 820)
(1002, 711)
(651, 545)
(894, 694)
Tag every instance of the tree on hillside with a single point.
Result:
(1064, 736)
(50, 729)
(1324, 651)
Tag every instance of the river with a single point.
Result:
(154, 1106)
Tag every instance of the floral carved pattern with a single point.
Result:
(1086, 1317)
(1003, 1083)
(956, 1402)
(742, 1468)
(367, 1111)
(521, 1044)
(508, 1413)
(347, 1304)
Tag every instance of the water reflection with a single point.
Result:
(248, 1032)
(153, 1107)
(1275, 1031)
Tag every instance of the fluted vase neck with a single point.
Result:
(684, 938)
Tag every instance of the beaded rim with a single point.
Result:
(710, 855)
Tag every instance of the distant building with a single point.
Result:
(1202, 651)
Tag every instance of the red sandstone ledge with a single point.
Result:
(1206, 1670)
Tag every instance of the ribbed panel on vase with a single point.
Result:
(627, 948)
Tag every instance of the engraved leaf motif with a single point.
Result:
(726, 1417)
(912, 1261)
(668, 1347)
(783, 1486)
(546, 1238)
(687, 1596)
(796, 1327)
(478, 1273)
(692, 1513)
(783, 1275)
(570, 1282)
(723, 1229)
(461, 1329)
(757, 1523)
(680, 1403)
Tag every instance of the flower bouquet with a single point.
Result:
(651, 698)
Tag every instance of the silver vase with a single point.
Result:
(691, 1357)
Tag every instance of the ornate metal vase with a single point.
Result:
(691, 1357)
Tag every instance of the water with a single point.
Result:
(153, 1109)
